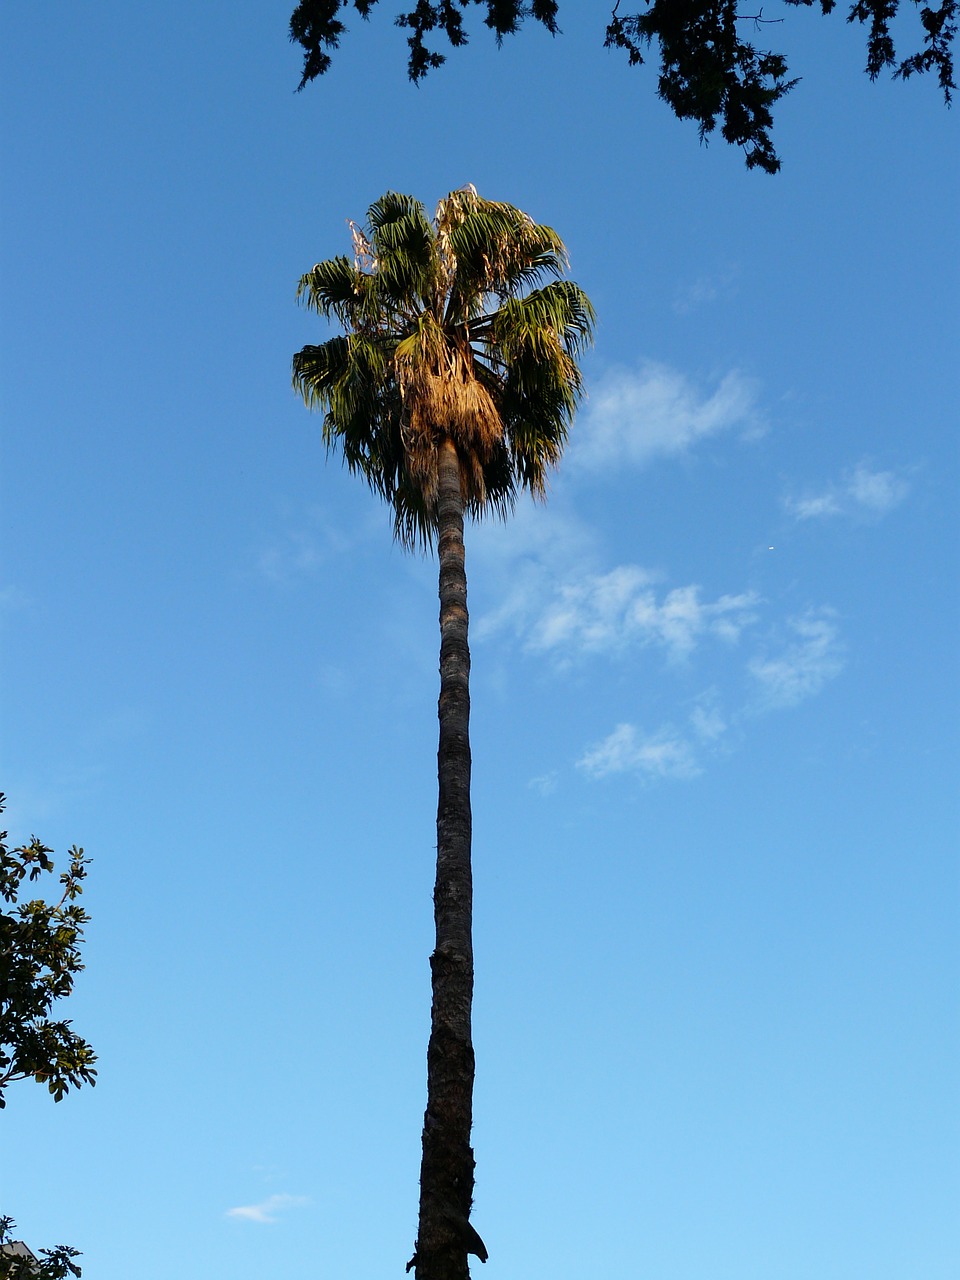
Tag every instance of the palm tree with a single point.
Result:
(450, 390)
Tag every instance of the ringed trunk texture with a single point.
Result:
(446, 1172)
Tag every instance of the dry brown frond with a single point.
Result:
(443, 399)
(364, 259)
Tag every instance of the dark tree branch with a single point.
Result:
(707, 72)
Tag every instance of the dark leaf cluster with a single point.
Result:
(18, 1263)
(710, 72)
(39, 959)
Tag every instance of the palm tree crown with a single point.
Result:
(450, 334)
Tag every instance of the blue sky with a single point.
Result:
(714, 679)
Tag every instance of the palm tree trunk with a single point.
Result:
(446, 1173)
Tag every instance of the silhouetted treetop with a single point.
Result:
(709, 69)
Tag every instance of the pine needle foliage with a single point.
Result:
(458, 327)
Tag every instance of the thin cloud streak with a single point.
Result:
(545, 784)
(705, 290)
(862, 493)
(633, 417)
(308, 543)
(267, 1210)
(664, 754)
(800, 671)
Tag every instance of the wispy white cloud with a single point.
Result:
(526, 557)
(876, 491)
(704, 290)
(664, 754)
(593, 613)
(545, 784)
(307, 543)
(551, 533)
(707, 722)
(862, 492)
(668, 752)
(632, 417)
(560, 598)
(812, 657)
(295, 553)
(812, 508)
(267, 1210)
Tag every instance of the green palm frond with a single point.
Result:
(560, 312)
(447, 339)
(404, 246)
(333, 287)
(498, 250)
(393, 207)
